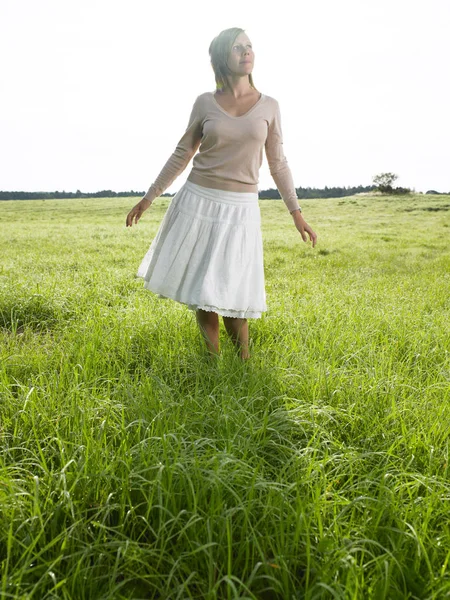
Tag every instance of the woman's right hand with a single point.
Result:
(136, 212)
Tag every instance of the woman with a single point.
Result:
(207, 253)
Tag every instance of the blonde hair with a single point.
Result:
(219, 51)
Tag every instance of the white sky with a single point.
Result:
(95, 94)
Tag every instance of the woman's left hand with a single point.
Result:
(303, 228)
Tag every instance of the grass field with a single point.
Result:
(134, 467)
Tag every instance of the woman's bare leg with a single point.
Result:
(237, 329)
(208, 323)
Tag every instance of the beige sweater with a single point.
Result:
(231, 150)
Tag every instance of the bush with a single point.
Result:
(399, 191)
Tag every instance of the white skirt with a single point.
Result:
(208, 253)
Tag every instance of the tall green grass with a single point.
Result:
(134, 466)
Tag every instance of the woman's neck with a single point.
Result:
(237, 86)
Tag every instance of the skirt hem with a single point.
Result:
(223, 312)
(235, 314)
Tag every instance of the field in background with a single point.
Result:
(134, 467)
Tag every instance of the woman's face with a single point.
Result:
(241, 58)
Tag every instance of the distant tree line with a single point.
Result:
(383, 184)
(58, 195)
(327, 192)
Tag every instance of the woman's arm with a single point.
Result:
(278, 165)
(178, 161)
(282, 176)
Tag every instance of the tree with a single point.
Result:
(384, 182)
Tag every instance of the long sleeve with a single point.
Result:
(178, 161)
(278, 165)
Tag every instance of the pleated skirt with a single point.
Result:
(208, 253)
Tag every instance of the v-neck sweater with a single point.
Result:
(230, 150)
